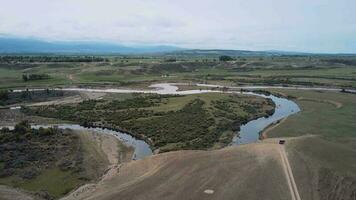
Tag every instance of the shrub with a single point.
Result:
(225, 58)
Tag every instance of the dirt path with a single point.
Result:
(61, 101)
(289, 174)
(334, 103)
(82, 96)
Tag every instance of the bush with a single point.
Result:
(22, 127)
(29, 173)
(33, 77)
(4, 95)
(27, 155)
(225, 58)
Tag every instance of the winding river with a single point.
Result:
(249, 132)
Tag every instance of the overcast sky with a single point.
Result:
(293, 25)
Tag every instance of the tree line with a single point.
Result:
(32, 59)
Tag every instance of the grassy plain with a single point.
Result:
(329, 114)
(325, 159)
(130, 71)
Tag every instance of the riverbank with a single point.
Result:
(97, 155)
(264, 132)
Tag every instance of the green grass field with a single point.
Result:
(329, 114)
(324, 159)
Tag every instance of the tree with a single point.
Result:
(4, 95)
(24, 77)
(4, 130)
(171, 60)
(225, 58)
(22, 127)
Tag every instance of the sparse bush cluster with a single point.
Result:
(188, 127)
(25, 152)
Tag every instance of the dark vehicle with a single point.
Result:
(282, 141)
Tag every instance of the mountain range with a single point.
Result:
(37, 46)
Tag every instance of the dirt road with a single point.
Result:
(289, 174)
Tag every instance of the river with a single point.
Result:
(248, 133)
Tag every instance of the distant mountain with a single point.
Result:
(218, 52)
(34, 46)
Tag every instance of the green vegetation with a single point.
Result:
(329, 114)
(35, 77)
(326, 71)
(167, 122)
(4, 95)
(225, 58)
(41, 160)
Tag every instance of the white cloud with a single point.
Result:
(301, 25)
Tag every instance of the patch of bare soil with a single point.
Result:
(92, 95)
(7, 193)
(72, 99)
(251, 171)
(65, 100)
(116, 154)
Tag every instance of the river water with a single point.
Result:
(249, 132)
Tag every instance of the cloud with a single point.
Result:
(236, 24)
